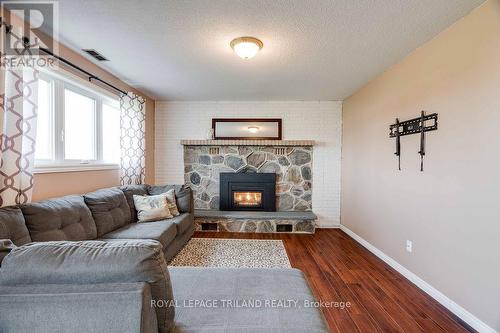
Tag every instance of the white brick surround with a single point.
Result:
(319, 121)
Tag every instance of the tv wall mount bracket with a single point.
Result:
(419, 125)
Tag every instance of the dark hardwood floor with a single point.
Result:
(339, 269)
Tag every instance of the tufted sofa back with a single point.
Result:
(130, 191)
(81, 217)
(109, 208)
(66, 218)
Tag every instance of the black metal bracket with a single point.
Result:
(413, 126)
(398, 145)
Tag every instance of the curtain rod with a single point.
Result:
(8, 30)
(89, 75)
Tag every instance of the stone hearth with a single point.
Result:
(292, 165)
(259, 222)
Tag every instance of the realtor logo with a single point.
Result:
(28, 26)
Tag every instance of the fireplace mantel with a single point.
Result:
(248, 143)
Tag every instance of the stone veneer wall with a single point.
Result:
(293, 171)
(255, 225)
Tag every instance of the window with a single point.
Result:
(44, 134)
(77, 127)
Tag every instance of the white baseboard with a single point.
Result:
(332, 226)
(459, 311)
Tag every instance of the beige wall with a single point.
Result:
(58, 184)
(451, 211)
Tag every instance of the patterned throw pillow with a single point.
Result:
(171, 203)
(152, 208)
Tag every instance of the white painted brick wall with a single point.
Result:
(319, 121)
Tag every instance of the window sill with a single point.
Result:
(73, 168)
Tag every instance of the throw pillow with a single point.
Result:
(152, 208)
(171, 203)
(183, 195)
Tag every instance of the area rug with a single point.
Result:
(237, 253)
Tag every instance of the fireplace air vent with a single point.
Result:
(213, 150)
(280, 151)
(207, 226)
(284, 228)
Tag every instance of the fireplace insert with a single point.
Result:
(248, 191)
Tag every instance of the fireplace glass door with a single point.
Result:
(247, 199)
(248, 191)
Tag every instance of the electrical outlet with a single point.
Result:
(409, 246)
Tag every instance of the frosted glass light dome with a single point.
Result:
(253, 129)
(246, 47)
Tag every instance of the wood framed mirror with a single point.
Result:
(247, 128)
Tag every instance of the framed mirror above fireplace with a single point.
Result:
(248, 191)
(247, 128)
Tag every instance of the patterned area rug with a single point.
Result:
(238, 253)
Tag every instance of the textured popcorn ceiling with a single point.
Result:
(313, 50)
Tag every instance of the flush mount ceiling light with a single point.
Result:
(253, 129)
(246, 47)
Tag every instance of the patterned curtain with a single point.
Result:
(133, 141)
(17, 140)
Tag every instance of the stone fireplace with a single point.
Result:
(251, 185)
(290, 162)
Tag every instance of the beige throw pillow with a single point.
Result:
(152, 208)
(171, 203)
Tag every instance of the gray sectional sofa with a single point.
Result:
(83, 264)
(104, 214)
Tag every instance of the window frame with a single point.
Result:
(59, 83)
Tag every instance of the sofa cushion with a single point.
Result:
(6, 246)
(178, 243)
(66, 218)
(244, 286)
(162, 231)
(159, 189)
(183, 222)
(13, 226)
(82, 308)
(130, 191)
(94, 262)
(109, 208)
(183, 195)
